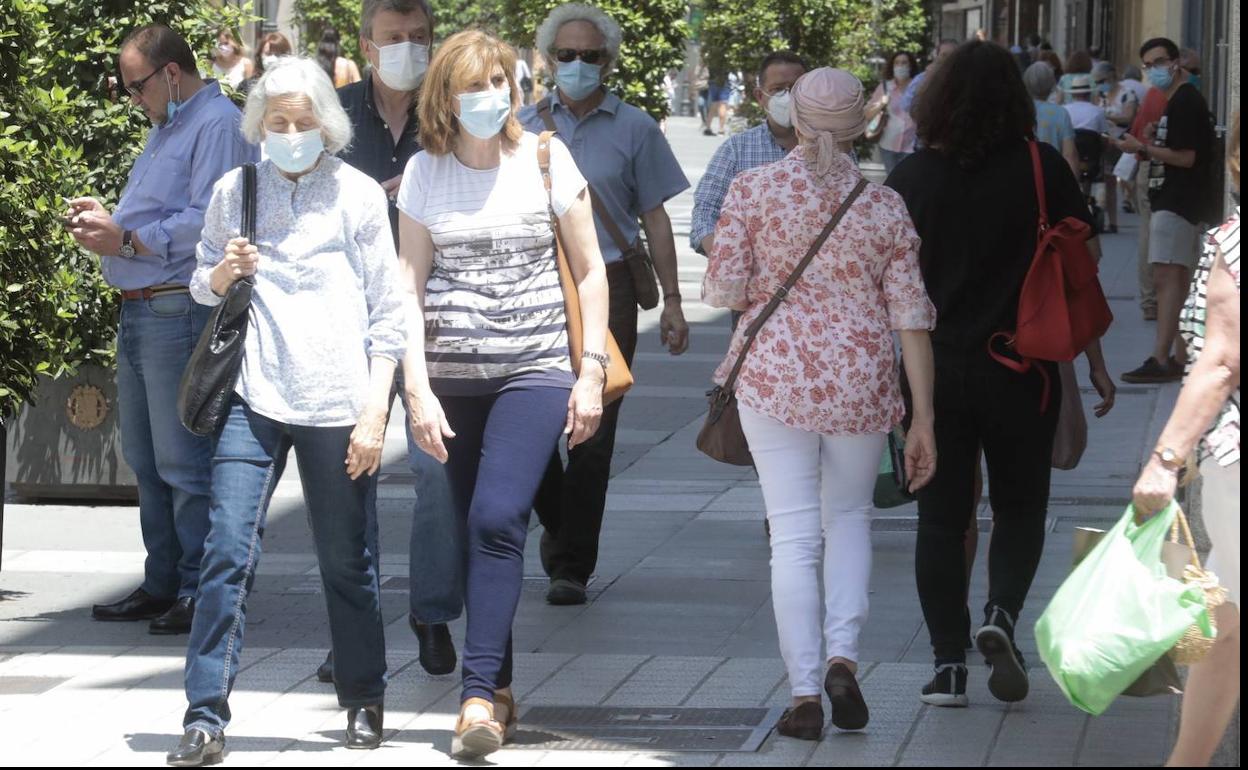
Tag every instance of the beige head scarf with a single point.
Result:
(828, 110)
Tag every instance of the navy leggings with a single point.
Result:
(502, 444)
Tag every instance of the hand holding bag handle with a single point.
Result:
(619, 379)
(212, 371)
(721, 437)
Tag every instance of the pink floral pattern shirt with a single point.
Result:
(824, 362)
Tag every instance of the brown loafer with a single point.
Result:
(849, 710)
(804, 721)
(473, 740)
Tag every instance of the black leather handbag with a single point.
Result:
(210, 375)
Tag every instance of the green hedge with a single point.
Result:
(61, 137)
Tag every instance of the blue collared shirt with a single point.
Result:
(170, 186)
(622, 153)
(751, 148)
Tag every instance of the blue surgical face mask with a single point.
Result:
(484, 113)
(174, 104)
(576, 79)
(1161, 77)
(294, 153)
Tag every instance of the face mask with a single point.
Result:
(175, 103)
(576, 79)
(402, 66)
(1103, 89)
(225, 49)
(269, 61)
(902, 73)
(1160, 77)
(779, 109)
(484, 113)
(294, 153)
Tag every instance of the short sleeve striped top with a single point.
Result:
(494, 315)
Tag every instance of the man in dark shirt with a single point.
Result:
(1179, 188)
(395, 36)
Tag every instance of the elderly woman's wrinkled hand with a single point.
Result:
(585, 405)
(1153, 490)
(367, 440)
(241, 260)
(428, 424)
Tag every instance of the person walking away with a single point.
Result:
(817, 438)
(325, 331)
(897, 140)
(1180, 188)
(395, 37)
(1120, 105)
(976, 166)
(1078, 63)
(631, 173)
(147, 252)
(1206, 418)
(1053, 124)
(491, 389)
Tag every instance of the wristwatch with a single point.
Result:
(127, 245)
(1170, 459)
(603, 359)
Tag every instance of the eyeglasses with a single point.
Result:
(1163, 61)
(135, 89)
(592, 56)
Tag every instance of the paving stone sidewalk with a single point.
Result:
(679, 618)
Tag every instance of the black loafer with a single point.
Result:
(139, 605)
(364, 727)
(196, 749)
(565, 592)
(804, 722)
(437, 648)
(849, 710)
(325, 671)
(177, 620)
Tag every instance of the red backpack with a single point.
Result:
(1062, 308)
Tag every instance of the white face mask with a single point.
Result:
(269, 61)
(780, 108)
(902, 73)
(402, 66)
(294, 153)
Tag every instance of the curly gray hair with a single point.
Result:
(569, 12)
(296, 75)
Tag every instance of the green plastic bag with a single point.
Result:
(1116, 614)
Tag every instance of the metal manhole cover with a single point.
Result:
(581, 728)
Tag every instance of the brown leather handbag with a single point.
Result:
(721, 437)
(619, 378)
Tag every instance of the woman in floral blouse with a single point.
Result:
(819, 390)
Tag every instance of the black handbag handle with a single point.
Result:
(783, 292)
(248, 227)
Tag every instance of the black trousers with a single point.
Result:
(980, 403)
(571, 500)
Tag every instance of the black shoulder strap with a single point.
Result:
(248, 227)
(790, 282)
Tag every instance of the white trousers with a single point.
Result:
(818, 492)
(1219, 499)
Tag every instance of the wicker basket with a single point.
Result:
(1193, 646)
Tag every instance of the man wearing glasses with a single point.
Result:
(1182, 195)
(147, 251)
(632, 173)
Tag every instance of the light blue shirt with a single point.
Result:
(621, 152)
(912, 90)
(1053, 124)
(170, 186)
(746, 150)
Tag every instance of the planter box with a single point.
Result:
(67, 443)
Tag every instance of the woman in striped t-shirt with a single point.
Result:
(488, 374)
(1208, 405)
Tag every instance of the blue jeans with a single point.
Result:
(154, 342)
(435, 558)
(248, 461)
(502, 445)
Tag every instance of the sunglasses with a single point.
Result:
(135, 89)
(593, 56)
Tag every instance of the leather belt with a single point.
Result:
(154, 291)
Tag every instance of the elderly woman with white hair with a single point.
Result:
(327, 327)
(818, 385)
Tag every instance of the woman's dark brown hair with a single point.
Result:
(1053, 60)
(1079, 62)
(973, 103)
(888, 66)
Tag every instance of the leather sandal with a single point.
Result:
(509, 717)
(479, 738)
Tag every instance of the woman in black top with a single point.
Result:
(971, 194)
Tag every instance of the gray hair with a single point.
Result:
(570, 12)
(297, 75)
(1132, 72)
(1104, 70)
(1040, 80)
(371, 7)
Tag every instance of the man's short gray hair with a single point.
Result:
(1104, 70)
(569, 12)
(371, 7)
(296, 75)
(1040, 80)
